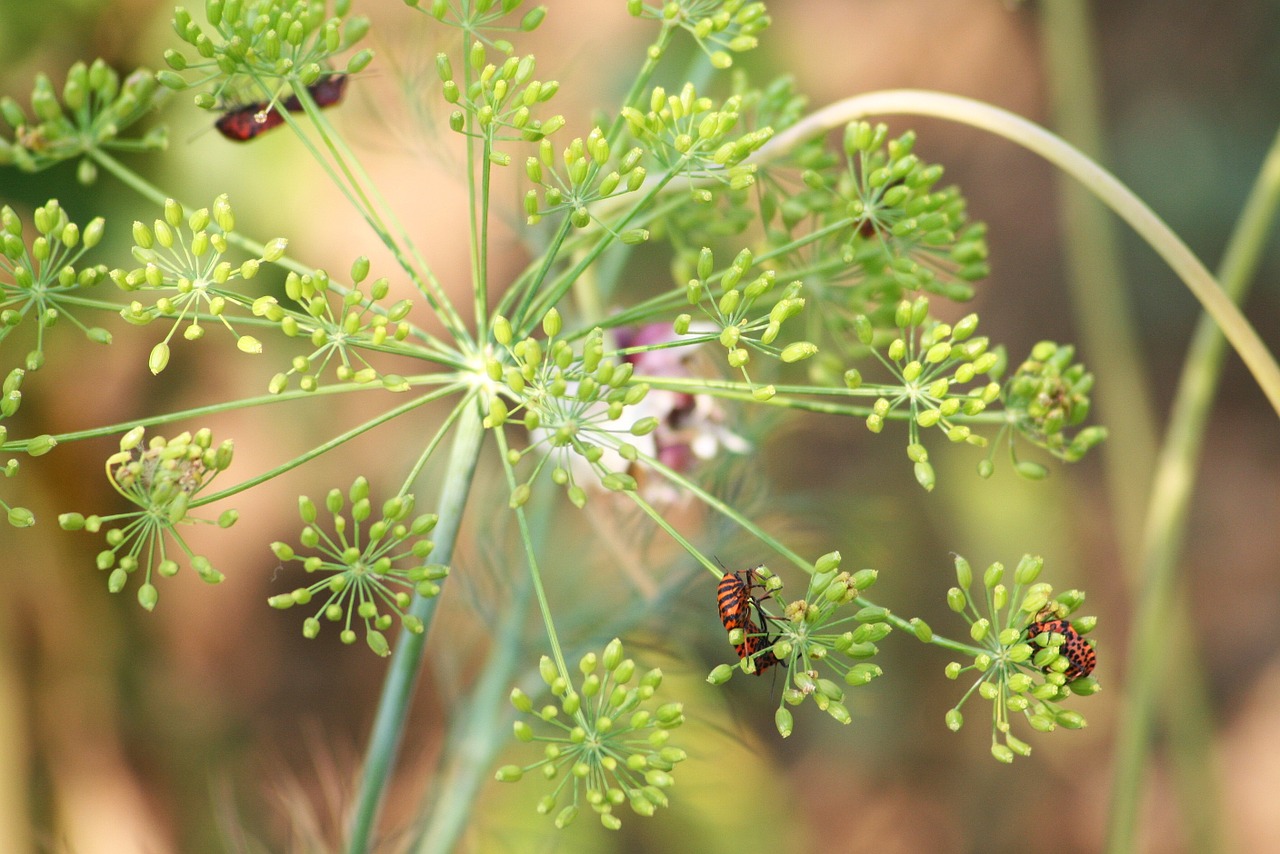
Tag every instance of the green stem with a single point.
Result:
(476, 734)
(325, 447)
(211, 409)
(1168, 508)
(1106, 324)
(389, 720)
(1098, 180)
(1104, 315)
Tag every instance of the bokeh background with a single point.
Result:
(211, 724)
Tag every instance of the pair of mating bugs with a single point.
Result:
(736, 599)
(251, 120)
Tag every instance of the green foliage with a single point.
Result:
(815, 275)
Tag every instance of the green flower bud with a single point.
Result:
(148, 596)
(925, 476)
(863, 579)
(720, 674)
(956, 599)
(782, 719)
(862, 328)
(798, 351)
(21, 517)
(1031, 470)
(509, 774)
(41, 445)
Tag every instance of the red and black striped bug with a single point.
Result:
(244, 123)
(252, 120)
(1079, 653)
(734, 599)
(325, 92)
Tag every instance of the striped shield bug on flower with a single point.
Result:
(734, 599)
(1079, 653)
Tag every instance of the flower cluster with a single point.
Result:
(816, 632)
(686, 134)
(95, 108)
(1050, 394)
(936, 366)
(500, 98)
(875, 229)
(737, 313)
(580, 183)
(337, 335)
(361, 578)
(605, 742)
(573, 404)
(1029, 656)
(249, 43)
(193, 270)
(720, 29)
(162, 479)
(36, 282)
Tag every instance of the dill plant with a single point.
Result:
(808, 275)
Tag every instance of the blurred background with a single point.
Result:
(211, 724)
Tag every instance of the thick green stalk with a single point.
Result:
(1106, 330)
(477, 734)
(1096, 276)
(1170, 499)
(397, 689)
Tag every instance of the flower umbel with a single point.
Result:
(1029, 657)
(360, 577)
(95, 108)
(1050, 394)
(36, 282)
(359, 323)
(193, 270)
(573, 404)
(813, 633)
(162, 479)
(248, 49)
(609, 747)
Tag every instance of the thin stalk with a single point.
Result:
(152, 194)
(326, 447)
(1099, 181)
(1168, 508)
(365, 197)
(389, 720)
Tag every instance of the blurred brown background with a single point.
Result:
(211, 724)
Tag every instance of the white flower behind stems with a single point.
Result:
(690, 426)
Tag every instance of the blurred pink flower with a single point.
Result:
(690, 426)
